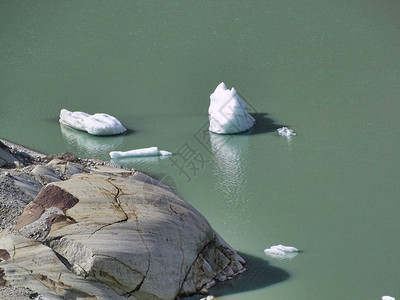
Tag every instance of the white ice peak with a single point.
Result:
(97, 124)
(228, 112)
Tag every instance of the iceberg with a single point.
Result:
(284, 131)
(97, 124)
(388, 298)
(228, 112)
(281, 252)
(151, 151)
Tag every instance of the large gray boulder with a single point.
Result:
(110, 233)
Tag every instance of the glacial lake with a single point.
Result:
(329, 70)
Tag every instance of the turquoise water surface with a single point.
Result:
(330, 70)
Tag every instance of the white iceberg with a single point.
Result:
(97, 124)
(281, 252)
(228, 112)
(284, 131)
(388, 298)
(151, 151)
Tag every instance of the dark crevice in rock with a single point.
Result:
(119, 261)
(106, 225)
(116, 198)
(13, 257)
(129, 294)
(118, 205)
(73, 266)
(63, 260)
(107, 275)
(49, 240)
(148, 252)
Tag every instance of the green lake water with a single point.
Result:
(330, 70)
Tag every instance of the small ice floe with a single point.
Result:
(228, 112)
(210, 297)
(97, 124)
(388, 298)
(281, 252)
(151, 151)
(284, 131)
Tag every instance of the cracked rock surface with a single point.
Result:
(98, 231)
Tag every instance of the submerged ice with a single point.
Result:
(228, 112)
(97, 124)
(151, 151)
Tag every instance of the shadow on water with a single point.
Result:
(263, 124)
(259, 274)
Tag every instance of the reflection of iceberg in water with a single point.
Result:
(90, 145)
(230, 156)
(149, 164)
(230, 168)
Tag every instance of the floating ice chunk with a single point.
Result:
(388, 298)
(151, 151)
(284, 131)
(286, 249)
(281, 252)
(97, 124)
(278, 254)
(228, 112)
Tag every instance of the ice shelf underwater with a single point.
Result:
(228, 112)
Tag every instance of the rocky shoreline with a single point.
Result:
(82, 228)
(17, 189)
(15, 161)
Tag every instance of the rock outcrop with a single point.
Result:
(97, 231)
